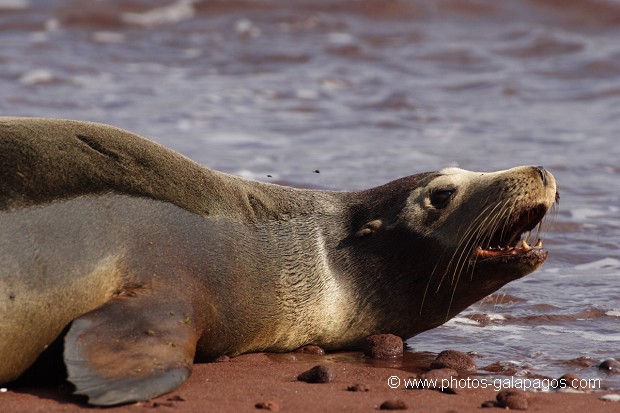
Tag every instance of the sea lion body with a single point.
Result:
(155, 261)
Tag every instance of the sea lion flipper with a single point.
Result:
(130, 349)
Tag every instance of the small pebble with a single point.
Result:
(456, 360)
(439, 374)
(489, 403)
(358, 387)
(162, 404)
(273, 406)
(222, 359)
(311, 350)
(317, 374)
(571, 381)
(513, 399)
(382, 346)
(393, 405)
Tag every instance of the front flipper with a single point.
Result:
(130, 349)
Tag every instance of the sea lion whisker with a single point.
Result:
(428, 283)
(464, 259)
(498, 224)
(488, 227)
(498, 299)
(494, 221)
(476, 227)
(473, 228)
(464, 243)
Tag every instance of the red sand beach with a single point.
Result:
(256, 382)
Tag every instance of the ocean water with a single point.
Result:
(365, 92)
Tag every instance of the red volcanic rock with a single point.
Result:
(311, 349)
(512, 399)
(382, 346)
(456, 360)
(572, 381)
(358, 387)
(393, 405)
(272, 406)
(317, 374)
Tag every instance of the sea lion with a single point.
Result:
(152, 261)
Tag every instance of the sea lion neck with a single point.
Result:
(384, 202)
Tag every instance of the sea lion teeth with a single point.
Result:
(538, 244)
(525, 246)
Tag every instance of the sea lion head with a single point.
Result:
(482, 216)
(457, 237)
(477, 221)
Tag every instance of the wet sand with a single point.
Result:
(242, 383)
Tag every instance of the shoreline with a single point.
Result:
(260, 381)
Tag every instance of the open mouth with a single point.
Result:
(507, 239)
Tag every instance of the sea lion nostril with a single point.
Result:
(543, 174)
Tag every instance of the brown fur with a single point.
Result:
(41, 158)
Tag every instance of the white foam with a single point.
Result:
(245, 173)
(36, 77)
(176, 12)
(339, 38)
(582, 214)
(610, 398)
(52, 25)
(243, 139)
(307, 94)
(592, 336)
(14, 4)
(109, 37)
(599, 264)
(585, 334)
(509, 332)
(613, 313)
(184, 125)
(462, 320)
(245, 27)
(38, 37)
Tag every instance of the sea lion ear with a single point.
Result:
(369, 228)
(130, 349)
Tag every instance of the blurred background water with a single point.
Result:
(368, 91)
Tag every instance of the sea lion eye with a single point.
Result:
(441, 198)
